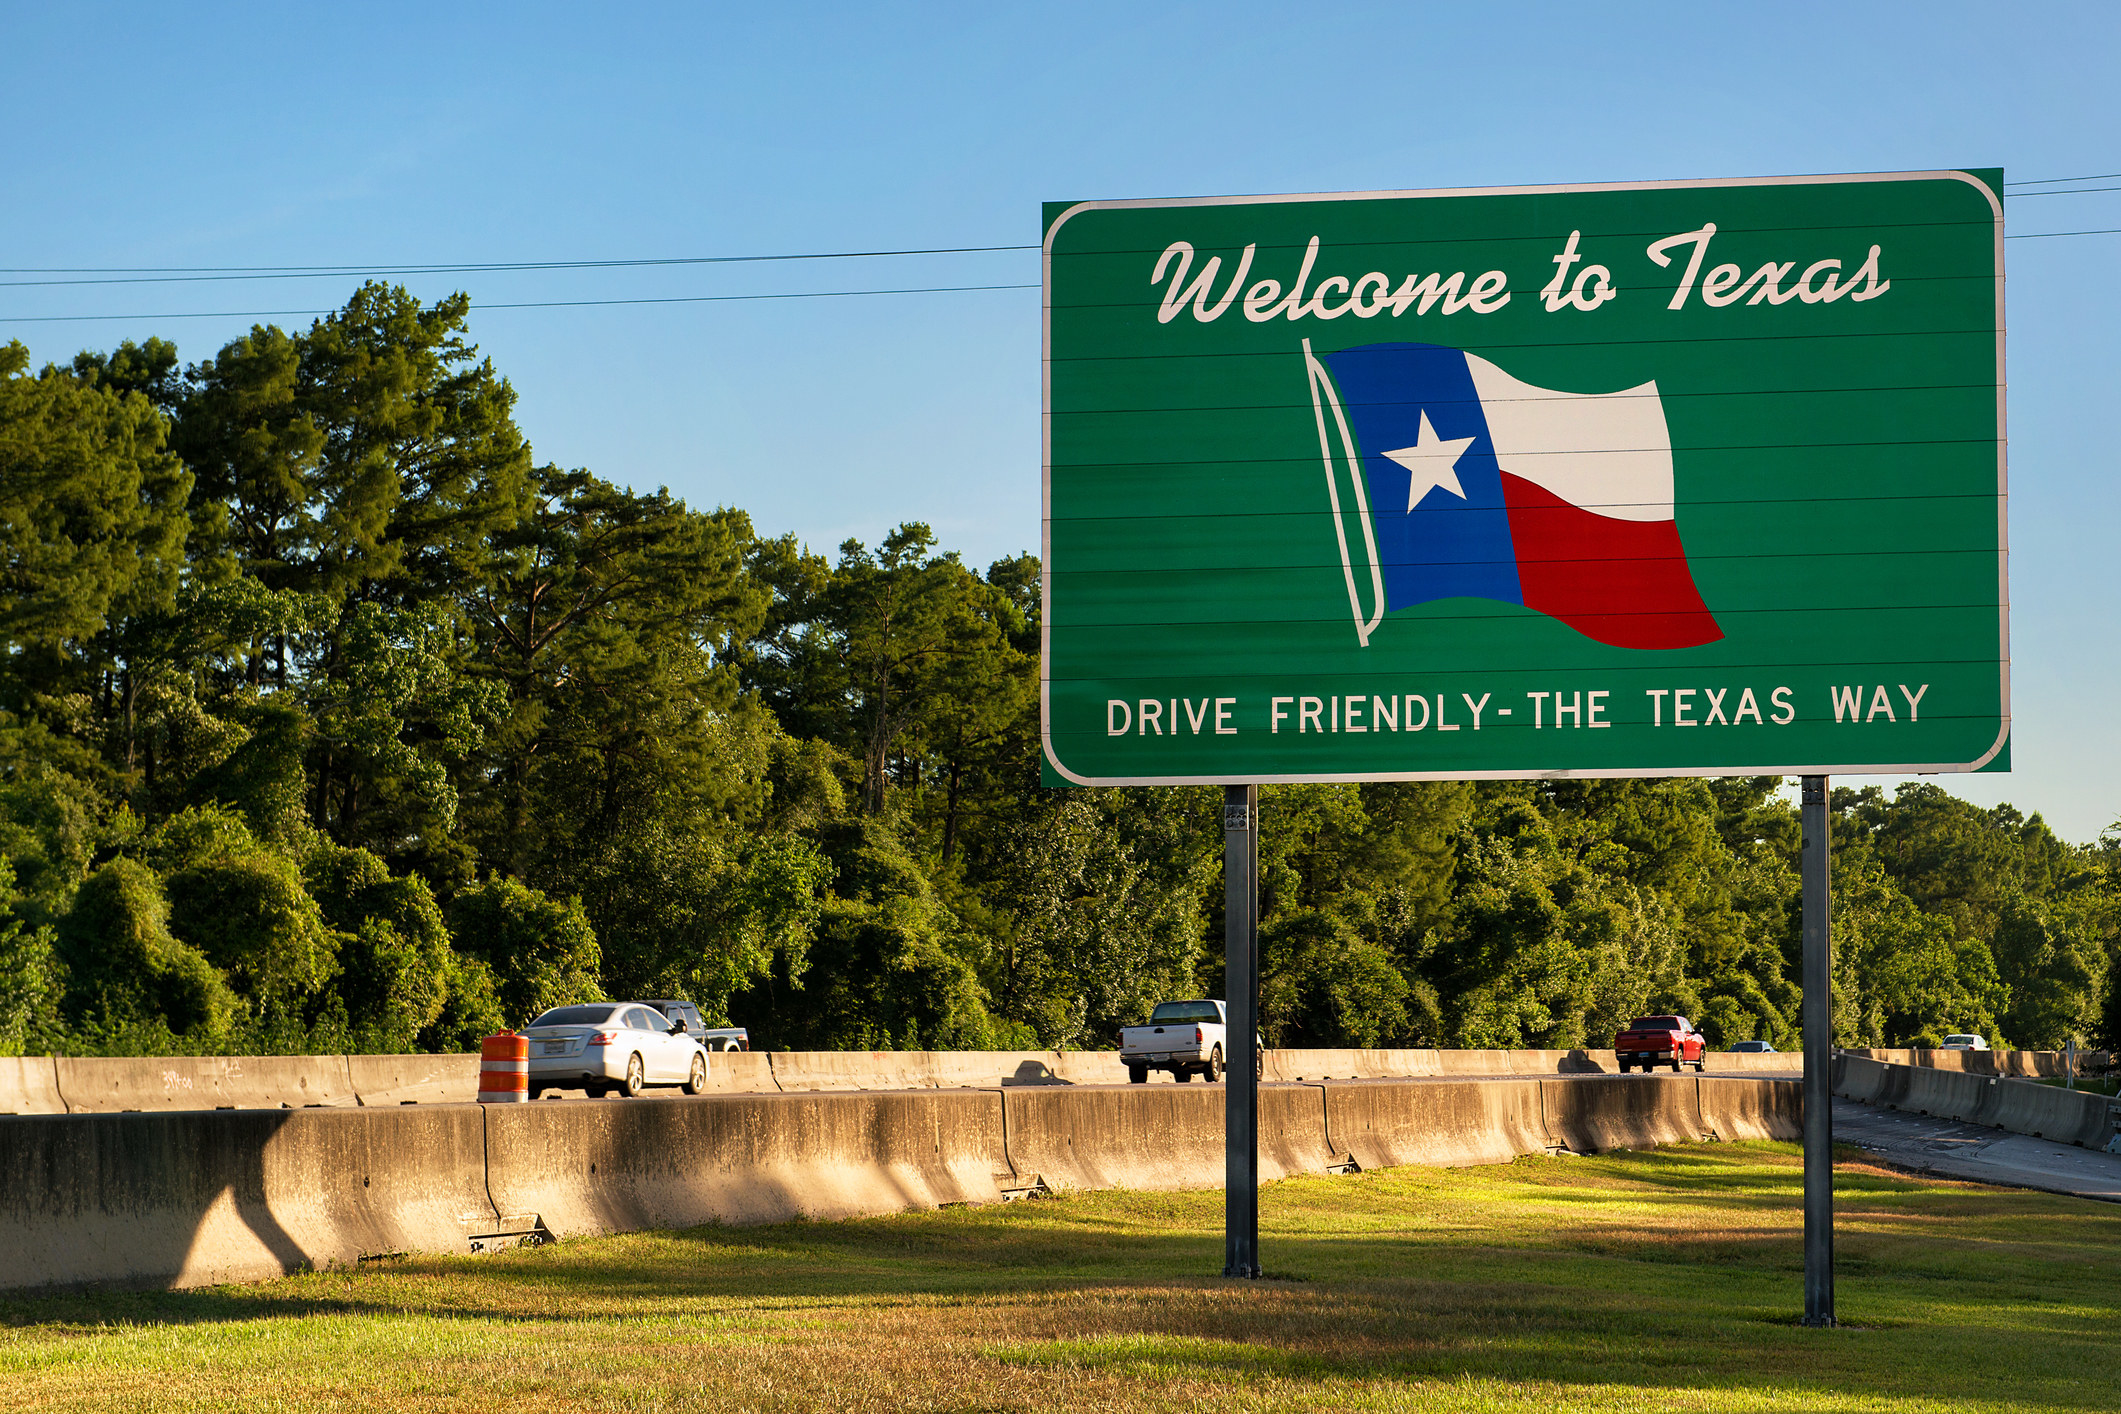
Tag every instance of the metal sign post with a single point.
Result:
(1241, 991)
(1818, 1044)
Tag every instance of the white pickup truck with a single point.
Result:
(1185, 1038)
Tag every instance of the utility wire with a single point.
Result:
(172, 273)
(2056, 181)
(526, 304)
(183, 274)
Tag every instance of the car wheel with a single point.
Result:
(1677, 1065)
(537, 1092)
(1137, 1075)
(697, 1080)
(636, 1076)
(1182, 1075)
(1215, 1065)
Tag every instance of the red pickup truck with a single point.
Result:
(1660, 1040)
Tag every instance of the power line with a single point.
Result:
(2056, 181)
(2049, 235)
(526, 304)
(2066, 191)
(171, 274)
(186, 274)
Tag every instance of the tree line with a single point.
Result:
(332, 720)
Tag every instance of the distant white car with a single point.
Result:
(1753, 1048)
(1963, 1041)
(602, 1047)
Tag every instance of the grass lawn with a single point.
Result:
(1666, 1279)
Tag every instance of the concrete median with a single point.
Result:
(1858, 1077)
(2031, 1064)
(810, 1071)
(382, 1081)
(1157, 1137)
(190, 1199)
(1592, 1114)
(196, 1197)
(2049, 1112)
(1386, 1123)
(153, 1083)
(741, 1073)
(1732, 1108)
(29, 1085)
(617, 1166)
(1754, 1063)
(103, 1085)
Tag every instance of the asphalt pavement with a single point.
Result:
(1950, 1149)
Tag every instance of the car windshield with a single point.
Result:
(1654, 1023)
(1184, 1011)
(575, 1016)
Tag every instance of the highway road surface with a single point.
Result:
(1950, 1149)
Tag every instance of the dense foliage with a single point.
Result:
(330, 719)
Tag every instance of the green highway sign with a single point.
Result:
(1670, 478)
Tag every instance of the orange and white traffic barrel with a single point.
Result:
(504, 1068)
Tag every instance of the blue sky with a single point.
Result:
(374, 135)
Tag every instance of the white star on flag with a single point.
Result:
(1431, 462)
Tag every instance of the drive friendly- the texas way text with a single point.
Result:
(1449, 712)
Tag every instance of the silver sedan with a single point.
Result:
(607, 1047)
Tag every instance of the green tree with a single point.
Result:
(31, 979)
(542, 951)
(395, 962)
(125, 969)
(92, 504)
(1100, 911)
(1324, 984)
(245, 908)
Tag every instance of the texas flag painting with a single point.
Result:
(1470, 483)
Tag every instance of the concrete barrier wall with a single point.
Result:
(1384, 1124)
(100, 1085)
(1733, 1108)
(1157, 1137)
(2048, 1112)
(1591, 1115)
(2051, 1064)
(186, 1198)
(42, 1085)
(741, 1073)
(191, 1199)
(743, 1158)
(2021, 1106)
(800, 1071)
(29, 1085)
(382, 1081)
(1131, 1136)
